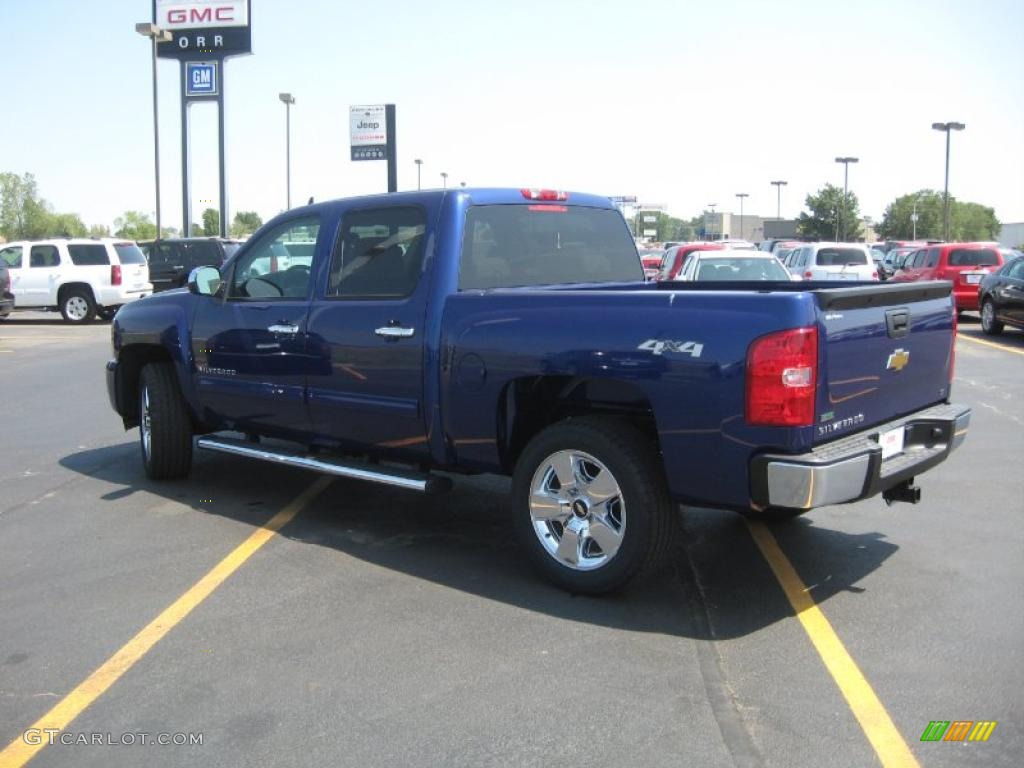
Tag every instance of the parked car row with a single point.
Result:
(79, 277)
(1001, 294)
(83, 278)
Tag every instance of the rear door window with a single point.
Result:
(201, 254)
(973, 257)
(88, 255)
(43, 256)
(378, 254)
(841, 257)
(504, 246)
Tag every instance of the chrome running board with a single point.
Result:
(354, 470)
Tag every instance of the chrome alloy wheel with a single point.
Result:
(577, 510)
(988, 315)
(146, 424)
(77, 308)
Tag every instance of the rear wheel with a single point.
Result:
(590, 505)
(77, 306)
(989, 324)
(165, 431)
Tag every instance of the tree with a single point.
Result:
(99, 230)
(967, 221)
(66, 225)
(211, 222)
(134, 225)
(23, 214)
(245, 223)
(830, 215)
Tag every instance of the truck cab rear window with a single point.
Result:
(505, 246)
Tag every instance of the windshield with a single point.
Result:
(841, 257)
(504, 246)
(740, 269)
(129, 253)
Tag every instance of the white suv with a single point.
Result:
(832, 261)
(80, 277)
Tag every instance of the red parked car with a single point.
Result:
(963, 264)
(651, 259)
(675, 258)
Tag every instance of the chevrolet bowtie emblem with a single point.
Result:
(897, 360)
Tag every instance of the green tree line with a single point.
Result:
(25, 215)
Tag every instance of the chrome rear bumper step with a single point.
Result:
(354, 470)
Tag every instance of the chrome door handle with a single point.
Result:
(395, 332)
(289, 329)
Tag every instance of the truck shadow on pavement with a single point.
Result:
(718, 585)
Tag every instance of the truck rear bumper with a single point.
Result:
(852, 467)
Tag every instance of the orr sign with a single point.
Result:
(219, 27)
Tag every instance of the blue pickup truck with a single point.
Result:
(390, 338)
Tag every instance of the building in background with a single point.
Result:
(1012, 235)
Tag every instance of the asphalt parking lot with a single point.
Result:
(380, 628)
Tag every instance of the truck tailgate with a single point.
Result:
(886, 351)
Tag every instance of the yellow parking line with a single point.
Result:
(17, 753)
(990, 344)
(887, 742)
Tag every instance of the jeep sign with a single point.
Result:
(219, 27)
(368, 132)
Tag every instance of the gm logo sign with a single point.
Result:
(201, 78)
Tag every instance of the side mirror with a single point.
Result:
(204, 281)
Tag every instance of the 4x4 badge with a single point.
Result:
(898, 360)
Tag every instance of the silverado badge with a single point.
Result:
(898, 360)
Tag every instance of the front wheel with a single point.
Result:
(165, 431)
(989, 324)
(591, 506)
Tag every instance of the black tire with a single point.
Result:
(107, 313)
(77, 306)
(169, 452)
(649, 521)
(989, 324)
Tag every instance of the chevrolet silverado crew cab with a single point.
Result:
(79, 277)
(394, 337)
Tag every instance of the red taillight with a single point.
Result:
(545, 194)
(874, 275)
(782, 376)
(808, 275)
(115, 274)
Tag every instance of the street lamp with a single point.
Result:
(712, 206)
(419, 165)
(741, 196)
(913, 216)
(444, 180)
(846, 185)
(947, 127)
(778, 197)
(156, 35)
(462, 184)
(288, 100)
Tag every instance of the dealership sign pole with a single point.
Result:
(204, 34)
(372, 137)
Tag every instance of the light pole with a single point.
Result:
(156, 35)
(444, 180)
(913, 218)
(288, 100)
(712, 206)
(741, 196)
(778, 197)
(419, 165)
(947, 127)
(846, 185)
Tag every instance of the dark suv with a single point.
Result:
(6, 297)
(171, 260)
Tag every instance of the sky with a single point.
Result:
(678, 103)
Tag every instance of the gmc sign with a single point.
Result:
(215, 28)
(178, 15)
